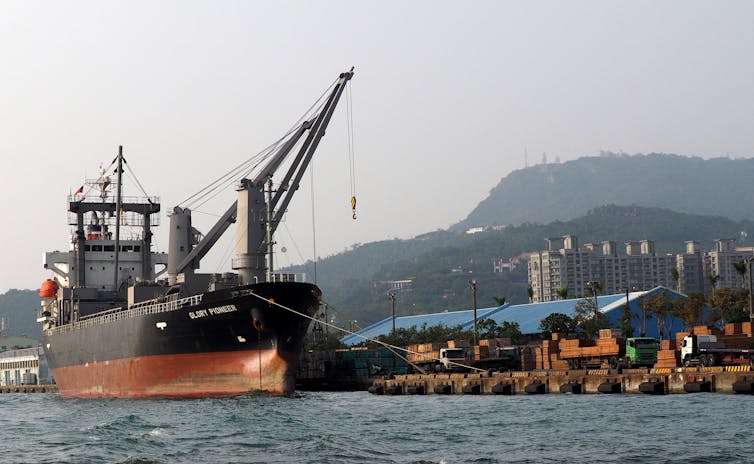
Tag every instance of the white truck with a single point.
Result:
(706, 350)
(456, 360)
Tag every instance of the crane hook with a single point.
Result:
(353, 206)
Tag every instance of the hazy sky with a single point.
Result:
(446, 98)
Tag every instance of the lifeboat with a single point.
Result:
(48, 289)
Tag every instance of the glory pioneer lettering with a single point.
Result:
(212, 311)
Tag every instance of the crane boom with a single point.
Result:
(185, 254)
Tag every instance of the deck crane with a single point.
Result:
(257, 211)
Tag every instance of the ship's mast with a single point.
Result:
(268, 230)
(118, 206)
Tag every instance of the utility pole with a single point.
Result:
(473, 285)
(751, 302)
(391, 296)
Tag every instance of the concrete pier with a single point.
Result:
(29, 389)
(733, 379)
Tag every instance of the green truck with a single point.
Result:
(635, 352)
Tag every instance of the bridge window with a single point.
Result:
(109, 247)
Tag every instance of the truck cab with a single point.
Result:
(450, 356)
(641, 351)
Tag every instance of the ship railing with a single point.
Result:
(117, 314)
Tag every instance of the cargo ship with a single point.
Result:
(119, 320)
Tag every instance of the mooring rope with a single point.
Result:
(370, 339)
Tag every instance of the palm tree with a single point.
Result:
(500, 300)
(562, 293)
(676, 278)
(740, 267)
(530, 292)
(713, 278)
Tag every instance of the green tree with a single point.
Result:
(562, 293)
(740, 268)
(530, 292)
(713, 278)
(557, 322)
(500, 300)
(626, 321)
(513, 331)
(676, 278)
(589, 317)
(689, 310)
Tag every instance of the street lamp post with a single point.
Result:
(473, 285)
(391, 295)
(751, 302)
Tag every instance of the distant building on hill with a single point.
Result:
(565, 265)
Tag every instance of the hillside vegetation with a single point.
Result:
(548, 192)
(445, 262)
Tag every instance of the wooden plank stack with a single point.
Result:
(424, 352)
(737, 335)
(668, 358)
(481, 352)
(528, 358)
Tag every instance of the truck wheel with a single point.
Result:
(703, 361)
(711, 360)
(751, 361)
(613, 362)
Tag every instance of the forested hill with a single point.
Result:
(562, 191)
(19, 308)
(441, 264)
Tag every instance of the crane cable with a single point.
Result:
(245, 168)
(392, 348)
(351, 149)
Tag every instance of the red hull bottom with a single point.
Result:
(180, 376)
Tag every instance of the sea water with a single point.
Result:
(358, 427)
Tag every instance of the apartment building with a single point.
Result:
(565, 265)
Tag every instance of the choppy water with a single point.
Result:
(358, 427)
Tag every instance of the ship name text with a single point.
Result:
(212, 311)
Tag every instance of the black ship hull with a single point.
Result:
(219, 343)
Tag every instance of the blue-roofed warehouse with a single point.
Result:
(527, 316)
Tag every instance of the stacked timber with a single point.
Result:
(529, 358)
(548, 356)
(571, 348)
(706, 330)
(608, 344)
(668, 356)
(492, 343)
(459, 344)
(481, 352)
(737, 335)
(423, 352)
